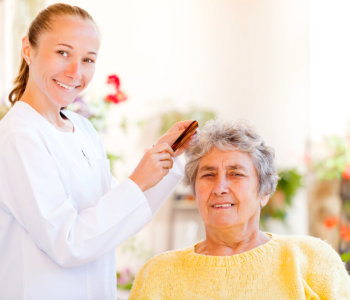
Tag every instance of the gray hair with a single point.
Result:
(229, 135)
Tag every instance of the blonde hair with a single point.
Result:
(42, 23)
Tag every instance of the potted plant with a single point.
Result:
(336, 167)
(290, 181)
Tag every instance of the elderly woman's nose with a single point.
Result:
(221, 185)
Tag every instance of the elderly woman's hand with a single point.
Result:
(173, 133)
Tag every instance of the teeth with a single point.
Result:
(68, 87)
(222, 205)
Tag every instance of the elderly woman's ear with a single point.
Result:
(264, 200)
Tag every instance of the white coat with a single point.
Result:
(61, 212)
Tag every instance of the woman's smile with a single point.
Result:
(65, 86)
(222, 205)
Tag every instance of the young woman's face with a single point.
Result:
(63, 62)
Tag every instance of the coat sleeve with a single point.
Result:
(33, 193)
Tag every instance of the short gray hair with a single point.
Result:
(227, 135)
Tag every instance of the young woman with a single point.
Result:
(61, 212)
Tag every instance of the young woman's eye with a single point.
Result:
(63, 53)
(89, 60)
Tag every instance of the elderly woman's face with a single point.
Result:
(227, 189)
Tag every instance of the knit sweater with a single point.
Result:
(286, 267)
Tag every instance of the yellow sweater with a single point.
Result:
(287, 267)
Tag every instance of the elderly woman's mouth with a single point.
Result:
(223, 205)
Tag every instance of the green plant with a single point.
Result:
(173, 116)
(3, 108)
(290, 181)
(340, 226)
(137, 254)
(332, 166)
(125, 279)
(336, 166)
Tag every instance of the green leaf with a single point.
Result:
(345, 257)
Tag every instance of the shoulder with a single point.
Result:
(16, 119)
(165, 261)
(309, 250)
(169, 257)
(304, 243)
(23, 122)
(16, 128)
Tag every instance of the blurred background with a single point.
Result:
(282, 65)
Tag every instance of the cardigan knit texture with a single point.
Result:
(286, 267)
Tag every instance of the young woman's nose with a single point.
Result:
(220, 185)
(73, 70)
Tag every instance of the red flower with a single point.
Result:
(114, 79)
(111, 98)
(119, 96)
(331, 222)
(346, 172)
(116, 98)
(345, 233)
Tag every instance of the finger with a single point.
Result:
(162, 148)
(162, 156)
(166, 164)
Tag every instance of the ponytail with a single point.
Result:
(20, 82)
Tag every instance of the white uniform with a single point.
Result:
(61, 212)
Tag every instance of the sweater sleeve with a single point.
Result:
(138, 285)
(33, 193)
(146, 285)
(326, 275)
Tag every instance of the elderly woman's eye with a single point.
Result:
(237, 174)
(208, 175)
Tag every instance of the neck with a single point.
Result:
(51, 113)
(230, 241)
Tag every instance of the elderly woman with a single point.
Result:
(231, 172)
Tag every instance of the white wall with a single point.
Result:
(6, 68)
(330, 68)
(243, 58)
(2, 50)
